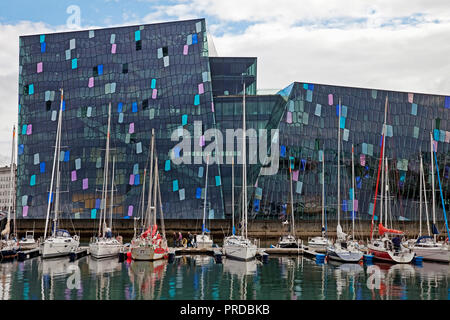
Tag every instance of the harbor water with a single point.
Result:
(201, 278)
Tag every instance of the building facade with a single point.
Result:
(162, 76)
(7, 190)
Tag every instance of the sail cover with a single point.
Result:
(6, 230)
(340, 233)
(435, 230)
(382, 230)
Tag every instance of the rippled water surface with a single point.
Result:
(199, 277)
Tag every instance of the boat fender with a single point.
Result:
(128, 255)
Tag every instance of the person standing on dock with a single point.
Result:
(175, 238)
(190, 240)
(180, 239)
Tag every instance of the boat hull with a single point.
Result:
(389, 256)
(437, 254)
(58, 247)
(146, 254)
(243, 253)
(28, 246)
(345, 256)
(7, 254)
(203, 242)
(101, 250)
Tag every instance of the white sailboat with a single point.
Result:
(289, 240)
(342, 249)
(320, 243)
(9, 246)
(151, 245)
(60, 243)
(241, 247)
(104, 244)
(427, 246)
(387, 248)
(204, 240)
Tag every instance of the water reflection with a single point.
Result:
(241, 273)
(6, 273)
(147, 278)
(200, 277)
(53, 273)
(102, 271)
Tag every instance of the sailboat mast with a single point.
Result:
(378, 174)
(143, 197)
(154, 190)
(50, 194)
(232, 195)
(323, 190)
(353, 194)
(11, 186)
(339, 166)
(420, 196)
(292, 203)
(150, 185)
(103, 206)
(112, 194)
(425, 198)
(163, 229)
(386, 189)
(244, 165)
(12, 190)
(433, 193)
(58, 173)
(206, 192)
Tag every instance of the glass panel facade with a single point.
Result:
(120, 66)
(160, 77)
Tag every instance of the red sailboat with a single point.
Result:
(389, 247)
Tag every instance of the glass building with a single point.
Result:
(162, 76)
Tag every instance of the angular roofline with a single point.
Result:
(112, 27)
(356, 87)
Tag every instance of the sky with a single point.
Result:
(399, 45)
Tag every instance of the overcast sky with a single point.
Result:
(398, 45)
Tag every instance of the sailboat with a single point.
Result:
(240, 247)
(427, 246)
(10, 246)
(60, 243)
(151, 245)
(321, 243)
(385, 248)
(105, 245)
(289, 240)
(203, 240)
(342, 250)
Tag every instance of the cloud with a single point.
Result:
(397, 45)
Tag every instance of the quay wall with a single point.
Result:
(260, 229)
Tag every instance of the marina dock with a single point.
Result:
(81, 252)
(28, 254)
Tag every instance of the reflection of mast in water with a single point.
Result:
(146, 275)
(240, 270)
(51, 268)
(103, 269)
(5, 281)
(434, 275)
